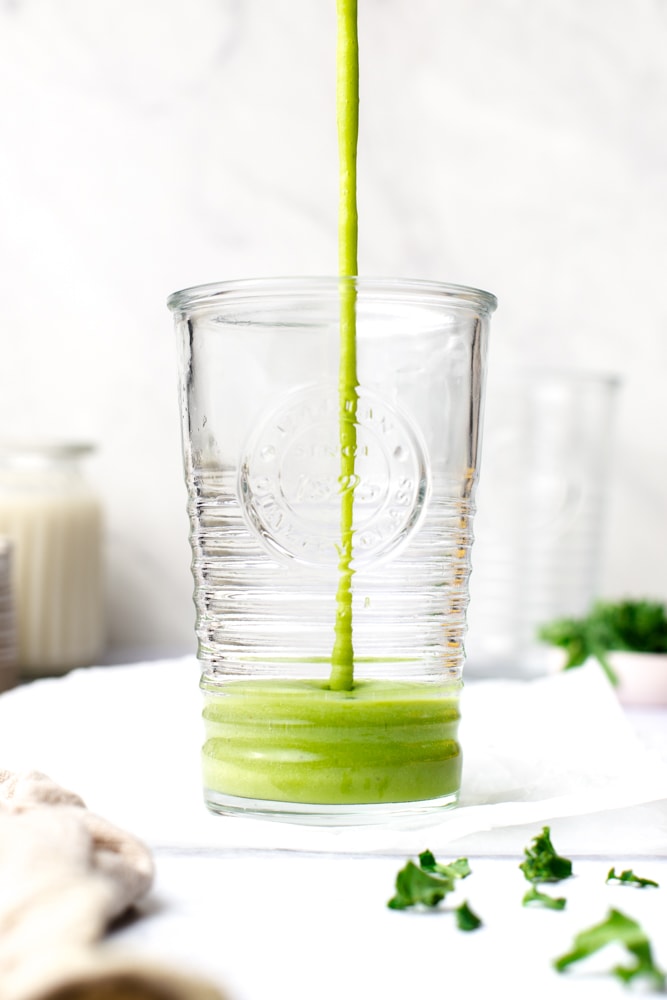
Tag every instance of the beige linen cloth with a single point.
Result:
(65, 875)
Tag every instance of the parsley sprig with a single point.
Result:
(466, 919)
(455, 869)
(428, 883)
(621, 929)
(637, 626)
(543, 864)
(543, 899)
(628, 877)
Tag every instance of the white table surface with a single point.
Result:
(301, 924)
(298, 925)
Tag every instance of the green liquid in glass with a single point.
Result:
(347, 108)
(345, 741)
(299, 741)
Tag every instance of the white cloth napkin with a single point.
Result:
(127, 738)
(65, 875)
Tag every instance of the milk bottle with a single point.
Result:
(54, 521)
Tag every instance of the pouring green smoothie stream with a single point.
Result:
(345, 740)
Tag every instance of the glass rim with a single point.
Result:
(203, 296)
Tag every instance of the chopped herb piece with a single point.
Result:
(543, 899)
(617, 928)
(427, 883)
(466, 920)
(542, 863)
(414, 885)
(456, 869)
(629, 878)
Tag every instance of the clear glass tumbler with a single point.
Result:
(539, 529)
(260, 399)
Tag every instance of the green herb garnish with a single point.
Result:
(633, 626)
(543, 899)
(428, 883)
(466, 919)
(628, 877)
(617, 928)
(542, 863)
(413, 886)
(456, 869)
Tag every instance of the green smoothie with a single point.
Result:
(347, 114)
(299, 741)
(344, 740)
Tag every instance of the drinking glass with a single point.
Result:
(539, 529)
(261, 417)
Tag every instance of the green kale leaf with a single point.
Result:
(628, 877)
(427, 883)
(543, 899)
(542, 863)
(466, 919)
(625, 931)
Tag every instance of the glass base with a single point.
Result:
(327, 815)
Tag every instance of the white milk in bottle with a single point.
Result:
(54, 521)
(8, 653)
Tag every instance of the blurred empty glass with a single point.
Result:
(541, 510)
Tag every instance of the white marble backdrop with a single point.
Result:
(515, 145)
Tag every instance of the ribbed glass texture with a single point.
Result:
(541, 519)
(259, 398)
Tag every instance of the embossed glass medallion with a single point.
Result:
(289, 480)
